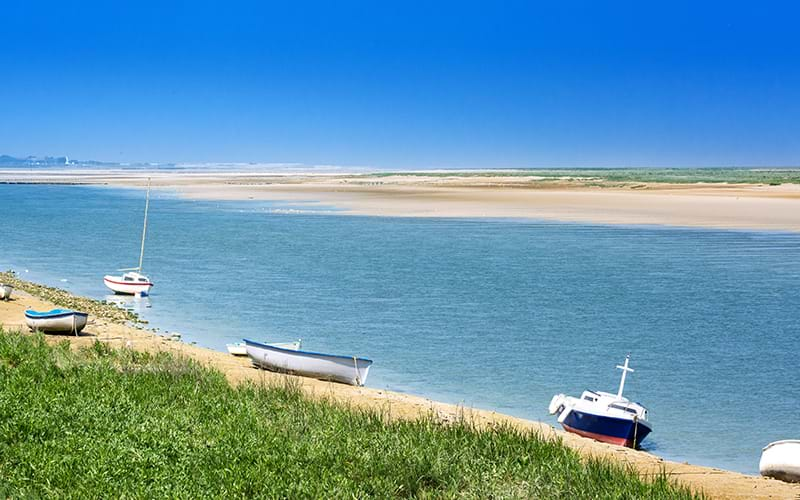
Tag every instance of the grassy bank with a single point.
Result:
(102, 423)
(773, 176)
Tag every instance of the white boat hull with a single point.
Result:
(66, 323)
(781, 460)
(345, 369)
(117, 285)
(5, 292)
(237, 349)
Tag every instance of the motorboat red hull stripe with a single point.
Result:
(600, 437)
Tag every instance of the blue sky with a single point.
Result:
(404, 85)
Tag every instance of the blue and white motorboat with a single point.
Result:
(346, 369)
(606, 417)
(56, 320)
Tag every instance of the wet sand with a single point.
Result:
(714, 482)
(728, 206)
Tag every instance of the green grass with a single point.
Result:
(106, 423)
(773, 176)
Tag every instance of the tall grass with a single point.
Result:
(102, 423)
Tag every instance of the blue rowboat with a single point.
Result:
(56, 321)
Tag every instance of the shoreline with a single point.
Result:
(116, 331)
(703, 205)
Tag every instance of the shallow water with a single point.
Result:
(497, 314)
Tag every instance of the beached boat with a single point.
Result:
(346, 369)
(5, 291)
(133, 282)
(781, 460)
(606, 417)
(240, 348)
(56, 321)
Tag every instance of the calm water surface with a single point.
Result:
(497, 314)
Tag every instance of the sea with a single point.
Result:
(499, 314)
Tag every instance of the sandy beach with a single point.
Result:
(717, 205)
(714, 482)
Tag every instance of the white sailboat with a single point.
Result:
(133, 282)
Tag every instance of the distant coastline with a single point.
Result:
(727, 198)
(591, 175)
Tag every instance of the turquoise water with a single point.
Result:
(497, 314)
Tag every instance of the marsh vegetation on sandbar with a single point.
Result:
(621, 177)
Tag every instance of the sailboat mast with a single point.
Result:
(144, 228)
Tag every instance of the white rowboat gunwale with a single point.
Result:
(320, 354)
(240, 348)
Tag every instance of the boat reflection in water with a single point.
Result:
(132, 303)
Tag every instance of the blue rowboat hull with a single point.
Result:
(619, 431)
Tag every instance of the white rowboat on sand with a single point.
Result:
(346, 369)
(781, 460)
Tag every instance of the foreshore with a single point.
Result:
(108, 326)
(747, 206)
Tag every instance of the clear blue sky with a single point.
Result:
(404, 84)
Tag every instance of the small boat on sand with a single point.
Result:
(606, 417)
(56, 321)
(346, 369)
(240, 348)
(781, 460)
(5, 291)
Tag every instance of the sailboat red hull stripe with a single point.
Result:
(128, 283)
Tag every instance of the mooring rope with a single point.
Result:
(358, 375)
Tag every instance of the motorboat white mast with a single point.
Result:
(625, 371)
